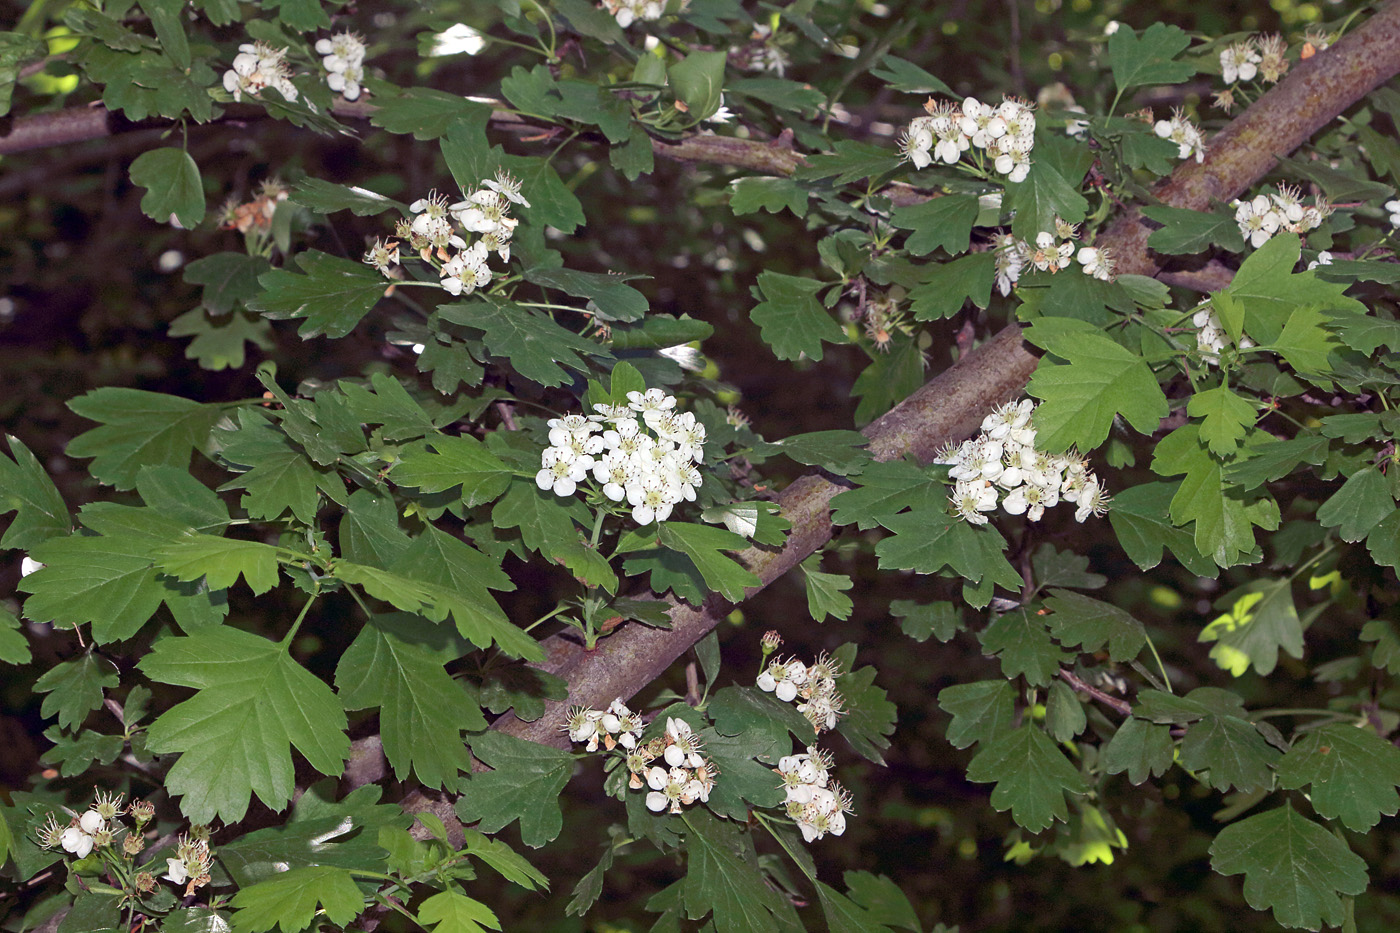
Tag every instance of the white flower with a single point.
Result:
(28, 565)
(1239, 62)
(76, 841)
(1097, 262)
(1190, 142)
(466, 271)
(175, 871)
(560, 471)
(1257, 220)
(1394, 208)
(971, 498)
(1324, 258)
(257, 66)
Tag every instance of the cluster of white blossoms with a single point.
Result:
(98, 827)
(344, 62)
(1190, 141)
(813, 688)
(654, 471)
(432, 232)
(1210, 333)
(627, 12)
(1052, 252)
(1264, 215)
(256, 66)
(815, 802)
(1005, 133)
(1002, 466)
(683, 775)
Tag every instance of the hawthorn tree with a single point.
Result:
(711, 465)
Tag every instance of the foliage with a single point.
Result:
(317, 616)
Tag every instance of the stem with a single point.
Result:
(547, 616)
(1167, 681)
(597, 529)
(291, 633)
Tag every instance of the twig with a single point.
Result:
(1112, 702)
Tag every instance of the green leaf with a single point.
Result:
(870, 716)
(848, 161)
(453, 462)
(703, 544)
(1362, 503)
(981, 711)
(791, 320)
(1337, 184)
(289, 900)
(1291, 866)
(221, 560)
(165, 18)
(1032, 777)
(884, 901)
(1023, 646)
(590, 886)
(927, 542)
(1353, 773)
(1366, 333)
(427, 113)
(908, 78)
(944, 221)
(611, 296)
(844, 915)
(1227, 417)
(279, 477)
(769, 194)
(234, 735)
(107, 581)
(504, 860)
(1064, 713)
(698, 79)
(1186, 232)
(1224, 526)
(326, 197)
(840, 452)
(15, 48)
(1268, 292)
(228, 278)
(941, 620)
(1090, 624)
(332, 296)
(139, 429)
(1138, 62)
(219, 344)
(1308, 345)
(767, 724)
(74, 689)
(1384, 542)
(1222, 742)
(40, 513)
(1261, 619)
(634, 158)
(826, 592)
(1045, 195)
(1274, 460)
(1386, 654)
(947, 286)
(884, 490)
(780, 93)
(532, 344)
(1140, 748)
(542, 517)
(1140, 519)
(524, 785)
(14, 649)
(1101, 381)
(171, 180)
(396, 663)
(1063, 568)
(720, 878)
(451, 911)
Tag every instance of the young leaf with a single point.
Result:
(791, 319)
(1090, 624)
(451, 911)
(74, 689)
(1291, 866)
(1227, 417)
(1138, 62)
(1261, 620)
(942, 620)
(332, 296)
(1224, 525)
(221, 560)
(139, 429)
(289, 900)
(234, 736)
(396, 663)
(1032, 777)
(524, 785)
(870, 716)
(171, 180)
(24, 486)
(698, 80)
(1353, 773)
(947, 286)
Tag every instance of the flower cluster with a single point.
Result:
(815, 802)
(814, 687)
(1264, 215)
(1002, 466)
(1052, 252)
(761, 53)
(432, 232)
(1187, 135)
(97, 828)
(686, 775)
(254, 215)
(628, 12)
(654, 472)
(1210, 333)
(1005, 133)
(257, 66)
(344, 62)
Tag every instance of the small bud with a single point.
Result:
(144, 881)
